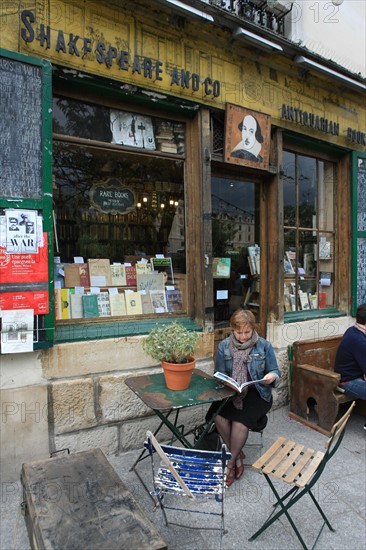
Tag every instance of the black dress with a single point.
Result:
(253, 414)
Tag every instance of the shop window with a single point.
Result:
(309, 237)
(236, 274)
(118, 213)
(359, 231)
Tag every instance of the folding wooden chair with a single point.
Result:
(290, 462)
(191, 473)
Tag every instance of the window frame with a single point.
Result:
(332, 311)
(104, 326)
(356, 233)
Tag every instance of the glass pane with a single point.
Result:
(326, 178)
(361, 195)
(289, 189)
(361, 271)
(119, 207)
(309, 254)
(307, 270)
(326, 269)
(290, 268)
(79, 119)
(307, 191)
(235, 233)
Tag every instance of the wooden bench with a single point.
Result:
(79, 501)
(315, 391)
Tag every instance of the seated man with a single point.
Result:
(350, 361)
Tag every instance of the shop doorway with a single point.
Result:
(235, 249)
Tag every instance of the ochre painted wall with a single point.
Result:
(225, 68)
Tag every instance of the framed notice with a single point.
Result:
(247, 137)
(221, 268)
(165, 266)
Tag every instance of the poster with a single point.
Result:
(37, 300)
(221, 268)
(247, 137)
(24, 268)
(17, 331)
(21, 231)
(131, 129)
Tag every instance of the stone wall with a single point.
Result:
(74, 396)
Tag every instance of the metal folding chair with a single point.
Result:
(191, 473)
(292, 463)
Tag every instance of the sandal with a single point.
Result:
(230, 475)
(239, 469)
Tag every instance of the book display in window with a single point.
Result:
(147, 308)
(130, 275)
(64, 297)
(138, 288)
(142, 268)
(309, 264)
(221, 268)
(304, 300)
(254, 259)
(62, 303)
(104, 308)
(90, 305)
(290, 256)
(59, 274)
(164, 265)
(118, 275)
(133, 303)
(324, 249)
(288, 267)
(174, 300)
(76, 275)
(76, 303)
(100, 272)
(158, 301)
(150, 281)
(117, 303)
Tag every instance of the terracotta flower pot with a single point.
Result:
(178, 376)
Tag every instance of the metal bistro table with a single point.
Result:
(203, 389)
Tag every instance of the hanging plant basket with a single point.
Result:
(178, 375)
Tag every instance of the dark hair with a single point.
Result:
(361, 314)
(258, 131)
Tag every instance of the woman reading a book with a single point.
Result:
(245, 356)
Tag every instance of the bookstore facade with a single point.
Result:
(150, 188)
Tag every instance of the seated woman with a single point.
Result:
(245, 356)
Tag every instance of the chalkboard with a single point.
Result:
(20, 129)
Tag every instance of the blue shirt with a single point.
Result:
(350, 361)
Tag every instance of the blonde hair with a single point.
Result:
(242, 318)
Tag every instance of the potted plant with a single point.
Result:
(173, 345)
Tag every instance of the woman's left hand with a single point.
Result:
(269, 378)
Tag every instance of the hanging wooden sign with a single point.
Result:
(112, 198)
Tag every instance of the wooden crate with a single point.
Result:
(78, 501)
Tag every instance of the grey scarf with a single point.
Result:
(240, 354)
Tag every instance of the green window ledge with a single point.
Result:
(293, 317)
(101, 331)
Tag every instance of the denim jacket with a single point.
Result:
(262, 360)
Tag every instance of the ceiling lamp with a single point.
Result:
(313, 65)
(256, 40)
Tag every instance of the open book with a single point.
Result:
(228, 381)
